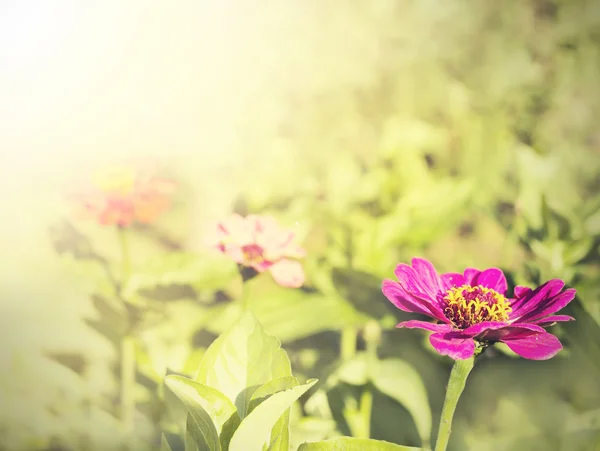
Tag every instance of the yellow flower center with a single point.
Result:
(467, 305)
(118, 180)
(253, 254)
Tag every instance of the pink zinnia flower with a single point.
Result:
(258, 242)
(472, 307)
(123, 194)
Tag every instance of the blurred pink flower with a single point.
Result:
(123, 194)
(258, 242)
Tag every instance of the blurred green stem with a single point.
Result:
(127, 383)
(348, 343)
(366, 404)
(125, 263)
(245, 295)
(456, 385)
(127, 347)
(358, 418)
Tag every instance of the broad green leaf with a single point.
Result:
(355, 444)
(202, 271)
(241, 360)
(577, 250)
(228, 430)
(354, 371)
(164, 445)
(270, 388)
(362, 290)
(298, 316)
(280, 434)
(400, 381)
(215, 403)
(254, 430)
(592, 224)
(199, 423)
(290, 314)
(195, 436)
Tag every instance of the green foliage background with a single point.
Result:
(463, 132)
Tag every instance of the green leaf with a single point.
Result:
(298, 316)
(254, 430)
(354, 371)
(577, 250)
(362, 290)
(241, 360)
(286, 313)
(280, 434)
(200, 426)
(164, 445)
(195, 437)
(592, 224)
(202, 271)
(400, 381)
(215, 403)
(270, 388)
(355, 444)
(228, 430)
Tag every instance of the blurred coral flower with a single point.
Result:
(260, 243)
(123, 194)
(472, 307)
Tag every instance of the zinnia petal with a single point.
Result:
(288, 273)
(452, 279)
(398, 296)
(455, 348)
(521, 291)
(532, 299)
(541, 346)
(550, 306)
(411, 282)
(428, 275)
(417, 324)
(470, 274)
(491, 278)
(549, 320)
(494, 330)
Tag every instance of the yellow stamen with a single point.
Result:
(467, 305)
(119, 180)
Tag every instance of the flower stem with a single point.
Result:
(366, 405)
(127, 383)
(348, 343)
(245, 295)
(125, 260)
(127, 347)
(456, 385)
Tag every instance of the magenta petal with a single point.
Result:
(495, 331)
(455, 348)
(521, 296)
(535, 298)
(411, 280)
(416, 324)
(541, 346)
(491, 278)
(428, 275)
(404, 301)
(550, 306)
(521, 291)
(478, 329)
(452, 279)
(549, 320)
(470, 274)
